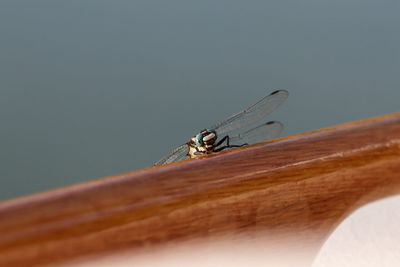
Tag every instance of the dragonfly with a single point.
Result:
(207, 142)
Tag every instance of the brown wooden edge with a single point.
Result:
(296, 188)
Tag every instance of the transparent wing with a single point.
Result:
(178, 153)
(252, 114)
(258, 134)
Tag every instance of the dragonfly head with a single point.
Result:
(206, 138)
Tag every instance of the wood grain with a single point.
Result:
(293, 190)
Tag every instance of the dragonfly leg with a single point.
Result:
(226, 137)
(227, 144)
(231, 146)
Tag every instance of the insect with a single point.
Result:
(206, 141)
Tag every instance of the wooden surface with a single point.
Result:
(292, 192)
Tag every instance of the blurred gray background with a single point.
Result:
(95, 88)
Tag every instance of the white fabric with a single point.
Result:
(369, 237)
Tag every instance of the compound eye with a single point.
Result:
(199, 140)
(212, 131)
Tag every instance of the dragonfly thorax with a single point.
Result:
(202, 143)
(206, 138)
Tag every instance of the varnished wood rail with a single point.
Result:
(287, 194)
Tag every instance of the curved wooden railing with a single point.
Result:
(288, 195)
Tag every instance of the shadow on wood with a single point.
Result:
(288, 194)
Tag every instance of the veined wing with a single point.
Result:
(252, 114)
(258, 134)
(178, 153)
